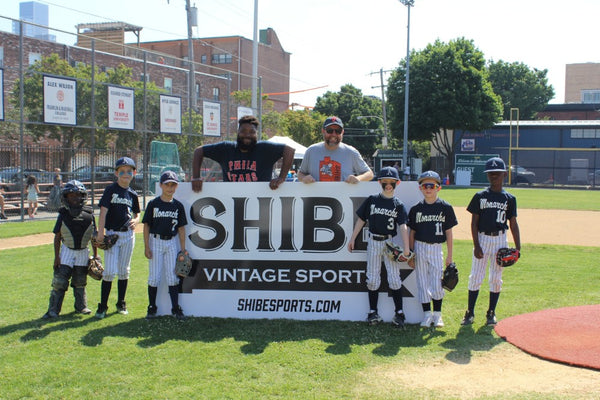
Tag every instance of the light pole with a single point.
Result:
(384, 142)
(408, 4)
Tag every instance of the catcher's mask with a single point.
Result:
(73, 203)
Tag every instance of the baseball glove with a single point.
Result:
(108, 241)
(396, 253)
(95, 268)
(505, 257)
(450, 277)
(183, 264)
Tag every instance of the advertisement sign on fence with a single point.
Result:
(473, 164)
(170, 114)
(120, 108)
(60, 106)
(262, 253)
(211, 119)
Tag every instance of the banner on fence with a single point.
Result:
(60, 105)
(170, 114)
(211, 119)
(262, 253)
(120, 108)
(1, 94)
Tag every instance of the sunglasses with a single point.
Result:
(121, 173)
(336, 131)
(429, 185)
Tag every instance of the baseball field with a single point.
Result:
(126, 357)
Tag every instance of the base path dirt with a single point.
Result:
(577, 228)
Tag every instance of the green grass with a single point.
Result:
(126, 357)
(550, 199)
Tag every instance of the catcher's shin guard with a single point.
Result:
(81, 300)
(55, 303)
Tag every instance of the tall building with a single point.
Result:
(582, 83)
(35, 13)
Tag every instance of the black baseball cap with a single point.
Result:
(333, 121)
(125, 162)
(430, 175)
(495, 164)
(388, 173)
(169, 176)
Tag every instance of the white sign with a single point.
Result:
(1, 94)
(211, 119)
(262, 253)
(121, 108)
(170, 114)
(60, 106)
(243, 111)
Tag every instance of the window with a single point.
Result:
(585, 133)
(590, 96)
(168, 85)
(216, 94)
(142, 77)
(221, 58)
(203, 59)
(33, 57)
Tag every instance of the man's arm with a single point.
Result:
(286, 164)
(198, 158)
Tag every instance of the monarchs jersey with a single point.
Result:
(75, 232)
(494, 209)
(164, 218)
(121, 203)
(431, 221)
(382, 214)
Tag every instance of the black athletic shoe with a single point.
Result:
(491, 318)
(122, 307)
(468, 318)
(373, 318)
(151, 312)
(177, 312)
(101, 313)
(398, 320)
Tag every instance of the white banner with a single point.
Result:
(262, 253)
(60, 106)
(170, 114)
(211, 119)
(242, 111)
(121, 108)
(1, 94)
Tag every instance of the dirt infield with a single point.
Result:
(577, 228)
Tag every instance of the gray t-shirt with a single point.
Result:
(332, 165)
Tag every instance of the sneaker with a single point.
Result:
(151, 312)
(3, 216)
(122, 308)
(177, 312)
(491, 318)
(468, 318)
(373, 318)
(398, 320)
(85, 311)
(50, 314)
(438, 322)
(101, 312)
(427, 320)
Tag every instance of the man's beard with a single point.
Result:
(334, 141)
(246, 147)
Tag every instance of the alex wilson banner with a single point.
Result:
(120, 108)
(60, 105)
(262, 253)
(170, 114)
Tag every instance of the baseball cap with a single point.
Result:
(495, 164)
(430, 175)
(388, 173)
(125, 161)
(333, 121)
(169, 176)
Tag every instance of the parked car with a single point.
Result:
(594, 178)
(521, 175)
(41, 175)
(102, 173)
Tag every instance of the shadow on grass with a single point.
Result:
(467, 341)
(257, 334)
(39, 328)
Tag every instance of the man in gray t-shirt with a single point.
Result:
(333, 161)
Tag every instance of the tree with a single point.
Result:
(348, 104)
(303, 126)
(449, 91)
(520, 87)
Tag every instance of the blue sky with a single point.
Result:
(334, 42)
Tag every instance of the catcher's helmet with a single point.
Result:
(388, 173)
(73, 186)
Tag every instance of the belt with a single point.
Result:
(123, 229)
(495, 233)
(379, 238)
(162, 237)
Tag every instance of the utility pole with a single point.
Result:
(383, 107)
(192, 80)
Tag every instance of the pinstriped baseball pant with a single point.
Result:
(117, 259)
(164, 254)
(375, 252)
(489, 245)
(429, 266)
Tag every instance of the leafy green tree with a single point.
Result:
(449, 93)
(303, 126)
(520, 87)
(348, 104)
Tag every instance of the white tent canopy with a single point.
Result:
(300, 150)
